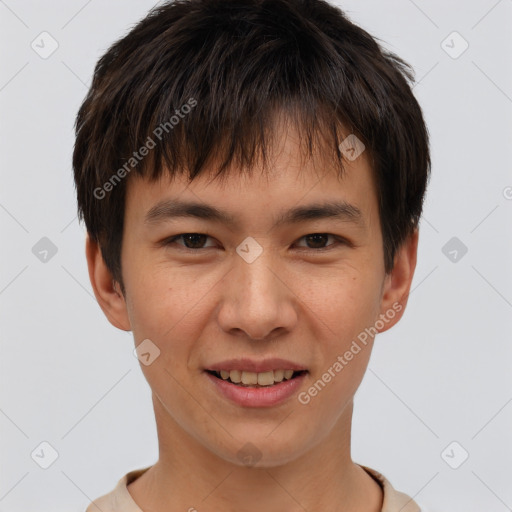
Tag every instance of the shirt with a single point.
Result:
(120, 500)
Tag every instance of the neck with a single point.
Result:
(188, 476)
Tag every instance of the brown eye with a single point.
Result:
(318, 240)
(191, 241)
(196, 241)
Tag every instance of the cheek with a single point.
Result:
(340, 310)
(343, 300)
(163, 300)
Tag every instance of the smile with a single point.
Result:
(252, 379)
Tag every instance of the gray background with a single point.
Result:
(442, 375)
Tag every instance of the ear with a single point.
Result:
(106, 290)
(397, 284)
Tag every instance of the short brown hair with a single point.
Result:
(240, 61)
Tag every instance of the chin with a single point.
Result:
(263, 450)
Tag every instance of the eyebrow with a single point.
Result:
(172, 208)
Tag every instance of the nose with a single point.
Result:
(257, 300)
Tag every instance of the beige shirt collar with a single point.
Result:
(120, 500)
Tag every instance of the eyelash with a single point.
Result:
(339, 241)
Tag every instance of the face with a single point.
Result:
(210, 293)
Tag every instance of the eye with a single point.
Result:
(195, 241)
(317, 240)
(192, 241)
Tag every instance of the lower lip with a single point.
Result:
(258, 397)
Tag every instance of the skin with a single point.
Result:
(294, 301)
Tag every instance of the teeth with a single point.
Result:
(235, 376)
(249, 378)
(278, 375)
(265, 378)
(252, 378)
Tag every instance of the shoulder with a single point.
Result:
(119, 499)
(394, 501)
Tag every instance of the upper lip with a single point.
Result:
(252, 365)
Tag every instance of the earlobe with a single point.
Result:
(106, 289)
(397, 283)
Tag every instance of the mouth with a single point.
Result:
(248, 379)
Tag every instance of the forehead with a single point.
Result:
(290, 180)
